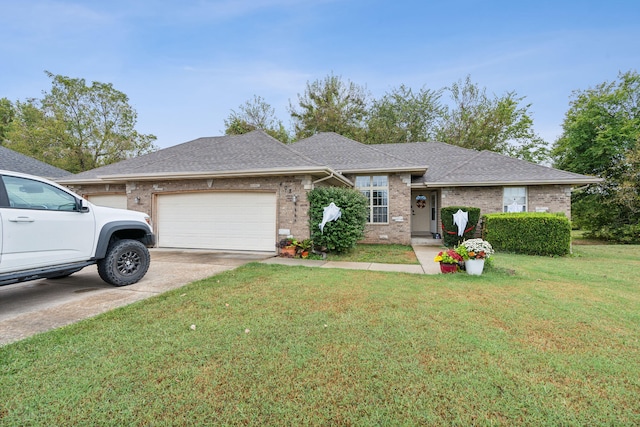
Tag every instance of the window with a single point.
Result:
(514, 199)
(376, 189)
(28, 194)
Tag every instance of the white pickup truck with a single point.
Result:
(47, 231)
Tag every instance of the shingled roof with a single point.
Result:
(13, 161)
(450, 165)
(348, 156)
(251, 154)
(431, 164)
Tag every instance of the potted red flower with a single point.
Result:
(448, 260)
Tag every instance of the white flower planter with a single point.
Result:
(474, 266)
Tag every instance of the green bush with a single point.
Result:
(626, 234)
(450, 230)
(528, 233)
(343, 234)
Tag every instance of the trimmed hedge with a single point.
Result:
(450, 230)
(528, 233)
(343, 234)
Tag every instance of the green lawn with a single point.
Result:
(534, 341)
(386, 254)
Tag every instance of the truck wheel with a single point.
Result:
(125, 263)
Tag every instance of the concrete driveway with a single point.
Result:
(41, 305)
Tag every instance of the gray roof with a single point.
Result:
(348, 156)
(251, 153)
(431, 164)
(457, 166)
(13, 161)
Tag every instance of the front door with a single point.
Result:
(420, 213)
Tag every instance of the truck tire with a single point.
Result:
(125, 263)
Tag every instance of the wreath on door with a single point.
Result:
(421, 201)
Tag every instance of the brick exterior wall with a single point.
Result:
(547, 198)
(293, 205)
(550, 198)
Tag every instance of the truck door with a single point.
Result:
(41, 226)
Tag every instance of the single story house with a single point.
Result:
(245, 192)
(13, 161)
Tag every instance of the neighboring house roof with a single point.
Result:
(456, 166)
(13, 161)
(348, 156)
(251, 154)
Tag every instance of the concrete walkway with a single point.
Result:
(425, 255)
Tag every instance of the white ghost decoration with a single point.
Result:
(514, 207)
(461, 218)
(330, 213)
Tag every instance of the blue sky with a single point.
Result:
(186, 64)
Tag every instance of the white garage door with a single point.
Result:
(224, 221)
(109, 200)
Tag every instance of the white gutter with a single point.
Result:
(508, 183)
(112, 179)
(418, 169)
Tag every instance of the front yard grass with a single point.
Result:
(385, 254)
(534, 341)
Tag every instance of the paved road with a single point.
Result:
(41, 305)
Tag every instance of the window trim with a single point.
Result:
(370, 189)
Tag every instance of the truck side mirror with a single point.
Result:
(83, 205)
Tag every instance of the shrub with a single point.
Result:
(626, 234)
(450, 230)
(343, 234)
(528, 233)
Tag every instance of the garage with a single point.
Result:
(110, 200)
(217, 220)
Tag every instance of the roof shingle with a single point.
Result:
(346, 155)
(13, 161)
(252, 151)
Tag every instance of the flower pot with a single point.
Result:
(288, 252)
(305, 254)
(474, 266)
(448, 268)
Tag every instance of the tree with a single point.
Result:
(256, 114)
(404, 116)
(601, 136)
(78, 127)
(497, 124)
(331, 105)
(6, 116)
(33, 133)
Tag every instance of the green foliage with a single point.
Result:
(343, 234)
(528, 233)
(450, 230)
(256, 114)
(472, 119)
(404, 116)
(36, 134)
(7, 114)
(497, 124)
(77, 127)
(331, 105)
(601, 136)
